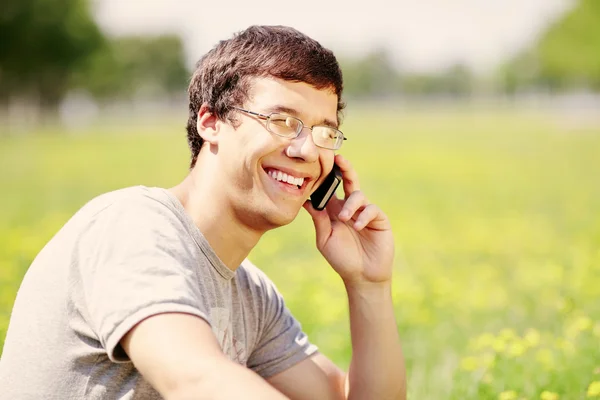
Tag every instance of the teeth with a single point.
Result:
(283, 177)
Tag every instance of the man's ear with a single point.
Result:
(208, 125)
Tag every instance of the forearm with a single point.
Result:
(377, 369)
(225, 380)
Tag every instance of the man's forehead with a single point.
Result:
(299, 99)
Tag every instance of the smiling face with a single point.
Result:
(266, 178)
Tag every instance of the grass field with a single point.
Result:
(496, 219)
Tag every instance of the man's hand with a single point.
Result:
(353, 235)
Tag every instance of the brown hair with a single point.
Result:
(222, 75)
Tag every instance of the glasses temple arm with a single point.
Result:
(251, 112)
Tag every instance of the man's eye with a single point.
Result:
(291, 122)
(329, 134)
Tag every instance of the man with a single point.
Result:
(146, 293)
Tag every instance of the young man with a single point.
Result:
(146, 293)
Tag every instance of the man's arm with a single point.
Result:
(377, 368)
(355, 237)
(180, 357)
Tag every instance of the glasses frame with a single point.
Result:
(267, 117)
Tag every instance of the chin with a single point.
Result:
(267, 218)
(279, 216)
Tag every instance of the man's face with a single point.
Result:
(253, 160)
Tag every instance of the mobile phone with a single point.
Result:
(326, 190)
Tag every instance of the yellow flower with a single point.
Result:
(507, 395)
(488, 359)
(583, 323)
(516, 349)
(594, 389)
(483, 341)
(578, 325)
(565, 305)
(469, 363)
(547, 395)
(565, 345)
(499, 345)
(545, 357)
(507, 334)
(597, 329)
(532, 337)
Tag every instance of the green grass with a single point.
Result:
(497, 280)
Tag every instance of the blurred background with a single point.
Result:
(474, 124)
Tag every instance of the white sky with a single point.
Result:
(421, 34)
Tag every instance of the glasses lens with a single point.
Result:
(327, 137)
(284, 125)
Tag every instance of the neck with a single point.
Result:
(230, 239)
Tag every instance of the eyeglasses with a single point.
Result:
(290, 127)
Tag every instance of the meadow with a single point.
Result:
(497, 224)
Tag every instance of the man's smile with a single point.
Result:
(291, 181)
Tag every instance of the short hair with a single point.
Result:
(223, 75)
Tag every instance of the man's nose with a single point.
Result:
(304, 147)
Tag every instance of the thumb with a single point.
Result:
(322, 223)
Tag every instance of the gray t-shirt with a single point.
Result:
(123, 257)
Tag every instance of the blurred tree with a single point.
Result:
(456, 81)
(519, 73)
(372, 75)
(419, 84)
(132, 66)
(41, 42)
(569, 52)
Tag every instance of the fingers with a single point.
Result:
(355, 202)
(357, 209)
(372, 217)
(354, 207)
(349, 176)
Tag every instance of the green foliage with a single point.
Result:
(375, 75)
(569, 52)
(371, 75)
(567, 55)
(48, 47)
(41, 42)
(496, 283)
(519, 73)
(135, 65)
(457, 80)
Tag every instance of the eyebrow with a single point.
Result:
(295, 113)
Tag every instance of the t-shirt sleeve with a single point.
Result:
(282, 342)
(135, 261)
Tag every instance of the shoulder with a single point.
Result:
(256, 286)
(253, 277)
(135, 205)
(131, 197)
(147, 214)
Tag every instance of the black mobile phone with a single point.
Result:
(326, 190)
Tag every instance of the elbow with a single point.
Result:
(401, 389)
(187, 388)
(401, 394)
(199, 382)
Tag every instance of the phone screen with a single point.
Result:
(326, 190)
